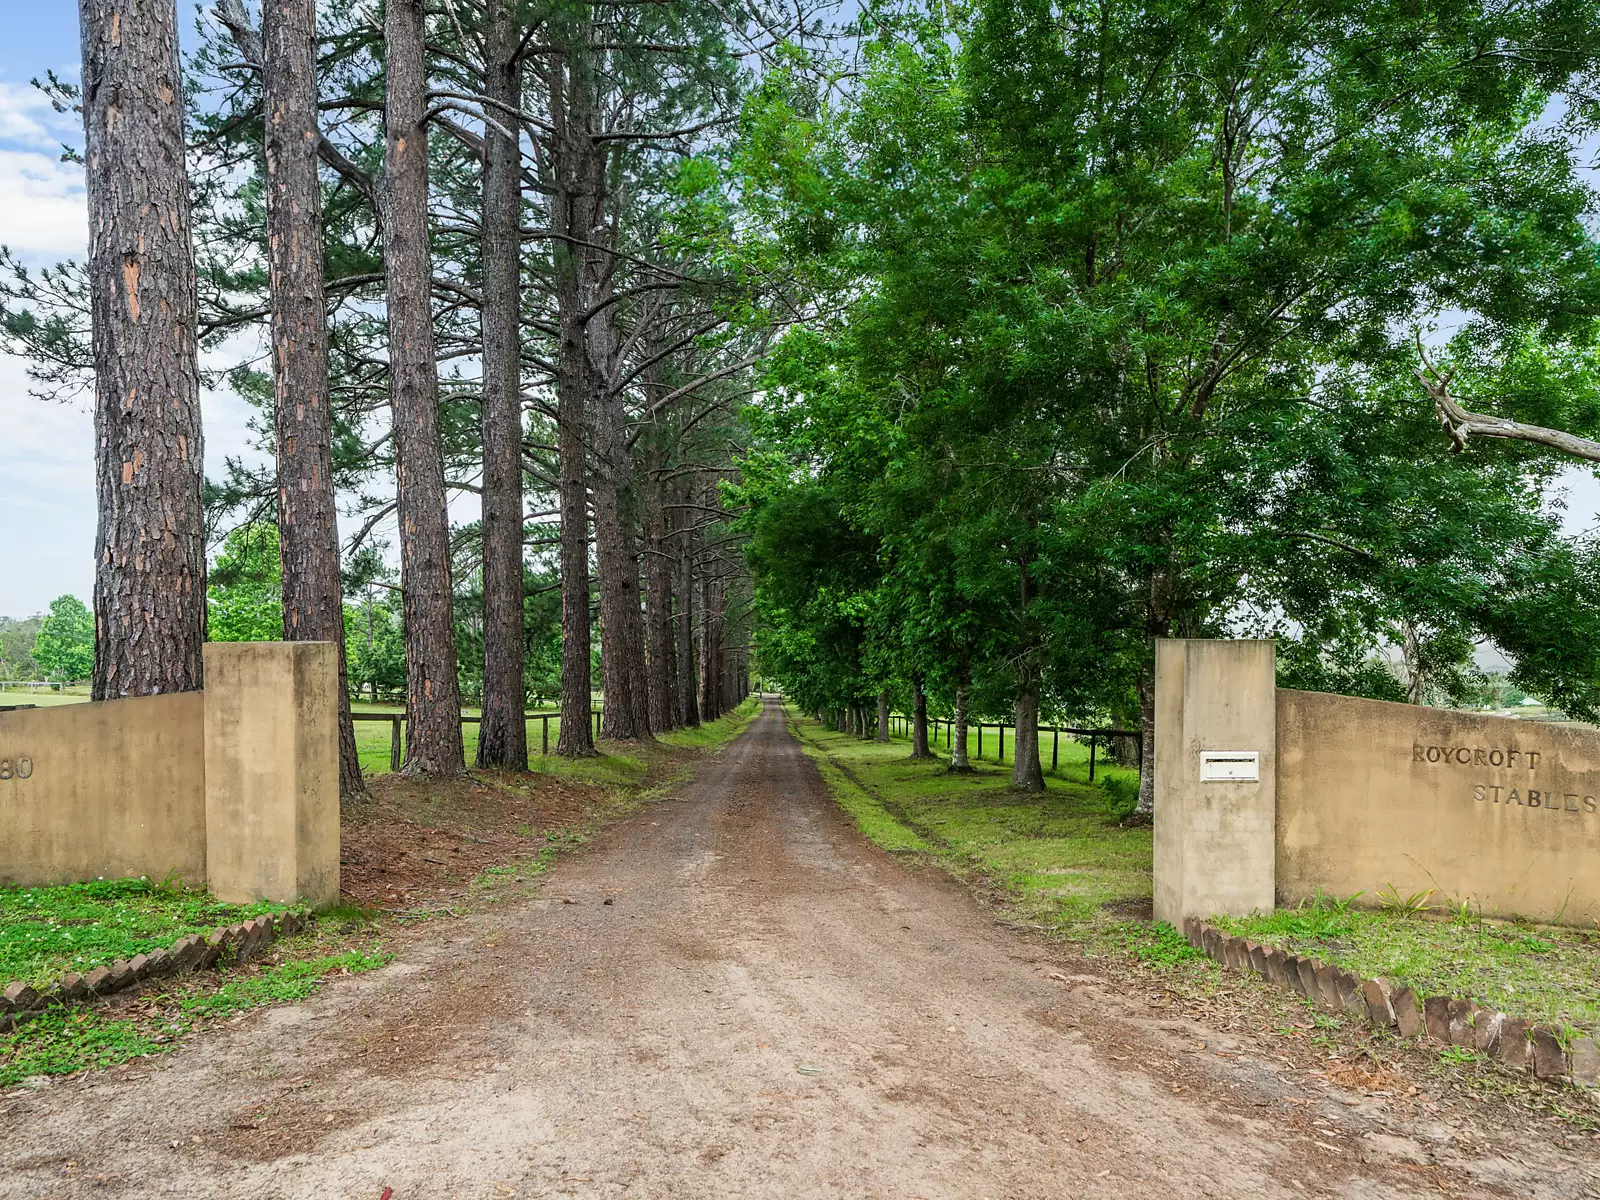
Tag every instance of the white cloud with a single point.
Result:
(28, 117)
(42, 199)
(46, 497)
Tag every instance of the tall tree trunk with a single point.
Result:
(919, 720)
(1146, 806)
(688, 707)
(569, 209)
(1026, 771)
(627, 698)
(622, 635)
(433, 695)
(150, 558)
(503, 733)
(883, 716)
(958, 734)
(308, 521)
(1158, 625)
(577, 737)
(710, 649)
(660, 652)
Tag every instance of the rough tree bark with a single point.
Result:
(688, 705)
(919, 720)
(627, 691)
(308, 521)
(660, 651)
(503, 733)
(582, 162)
(150, 564)
(433, 698)
(958, 736)
(883, 716)
(569, 206)
(622, 631)
(710, 648)
(1158, 624)
(1027, 774)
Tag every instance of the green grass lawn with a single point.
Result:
(373, 738)
(1545, 974)
(48, 931)
(1065, 857)
(41, 698)
(373, 746)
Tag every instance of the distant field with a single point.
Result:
(12, 694)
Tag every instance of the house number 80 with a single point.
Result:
(15, 768)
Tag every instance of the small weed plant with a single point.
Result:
(1393, 903)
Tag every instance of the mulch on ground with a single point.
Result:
(419, 844)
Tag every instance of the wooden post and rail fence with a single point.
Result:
(397, 719)
(899, 723)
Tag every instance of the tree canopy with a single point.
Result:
(64, 649)
(1126, 306)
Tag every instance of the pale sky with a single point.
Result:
(47, 503)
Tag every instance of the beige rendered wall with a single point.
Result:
(1501, 812)
(1214, 845)
(272, 771)
(112, 789)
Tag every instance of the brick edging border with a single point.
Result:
(246, 940)
(1517, 1044)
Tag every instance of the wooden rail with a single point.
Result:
(396, 719)
(899, 722)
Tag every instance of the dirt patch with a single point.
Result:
(294, 1120)
(1131, 910)
(419, 844)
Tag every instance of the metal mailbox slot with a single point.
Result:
(1230, 766)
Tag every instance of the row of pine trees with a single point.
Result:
(503, 223)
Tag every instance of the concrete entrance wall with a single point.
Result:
(113, 790)
(1500, 812)
(1357, 796)
(237, 786)
(1214, 836)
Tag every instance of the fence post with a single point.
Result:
(394, 745)
(980, 739)
(1091, 758)
(544, 724)
(1055, 746)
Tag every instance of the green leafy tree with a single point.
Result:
(244, 593)
(16, 647)
(64, 649)
(1126, 317)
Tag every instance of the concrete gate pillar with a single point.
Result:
(1215, 778)
(272, 771)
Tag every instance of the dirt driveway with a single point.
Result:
(731, 994)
